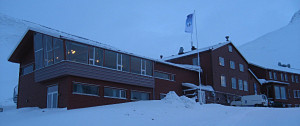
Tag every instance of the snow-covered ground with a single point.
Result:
(171, 111)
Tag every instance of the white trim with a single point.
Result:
(85, 94)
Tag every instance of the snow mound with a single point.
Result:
(296, 17)
(173, 98)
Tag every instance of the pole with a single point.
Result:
(200, 90)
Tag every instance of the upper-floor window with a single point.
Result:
(270, 75)
(195, 61)
(96, 56)
(241, 67)
(138, 95)
(221, 61)
(77, 52)
(286, 77)
(114, 93)
(232, 65)
(296, 78)
(163, 75)
(26, 69)
(233, 83)
(240, 84)
(275, 76)
(255, 88)
(229, 48)
(85, 89)
(292, 78)
(223, 81)
(281, 76)
(245, 86)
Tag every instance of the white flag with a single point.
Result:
(189, 24)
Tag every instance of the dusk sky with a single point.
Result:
(154, 28)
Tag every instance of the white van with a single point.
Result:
(251, 100)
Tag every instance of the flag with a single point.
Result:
(189, 24)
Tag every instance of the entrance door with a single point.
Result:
(52, 96)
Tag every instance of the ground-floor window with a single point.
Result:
(162, 95)
(137, 95)
(79, 88)
(280, 92)
(115, 93)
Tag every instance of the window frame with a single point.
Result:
(240, 82)
(223, 80)
(115, 88)
(221, 61)
(229, 48)
(232, 64)
(149, 94)
(245, 86)
(233, 85)
(85, 84)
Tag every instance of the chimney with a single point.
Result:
(279, 64)
(161, 56)
(227, 38)
(180, 51)
(289, 65)
(193, 48)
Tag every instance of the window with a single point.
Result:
(275, 76)
(79, 88)
(125, 62)
(232, 65)
(135, 65)
(255, 88)
(270, 75)
(296, 78)
(282, 77)
(137, 95)
(48, 54)
(298, 93)
(115, 93)
(96, 56)
(110, 59)
(295, 94)
(233, 83)
(77, 52)
(27, 69)
(143, 66)
(195, 61)
(221, 61)
(240, 84)
(149, 68)
(277, 92)
(162, 75)
(292, 78)
(161, 95)
(241, 67)
(282, 93)
(38, 50)
(223, 81)
(58, 49)
(286, 77)
(245, 86)
(229, 48)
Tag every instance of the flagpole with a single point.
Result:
(200, 90)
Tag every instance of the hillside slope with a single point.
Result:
(282, 45)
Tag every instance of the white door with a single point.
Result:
(52, 96)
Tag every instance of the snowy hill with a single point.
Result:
(171, 111)
(282, 45)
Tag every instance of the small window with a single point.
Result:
(298, 93)
(114, 93)
(295, 94)
(232, 65)
(137, 95)
(240, 84)
(275, 76)
(296, 78)
(27, 69)
(282, 77)
(255, 88)
(241, 67)
(233, 83)
(292, 78)
(162, 75)
(277, 92)
(245, 86)
(229, 48)
(270, 75)
(223, 81)
(85, 89)
(221, 61)
(195, 61)
(286, 77)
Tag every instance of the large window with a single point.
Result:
(135, 65)
(77, 52)
(232, 65)
(280, 92)
(48, 46)
(162, 75)
(223, 81)
(125, 62)
(255, 88)
(137, 95)
(221, 61)
(233, 83)
(149, 68)
(110, 59)
(58, 49)
(245, 86)
(240, 84)
(115, 93)
(96, 56)
(27, 69)
(79, 88)
(277, 92)
(38, 50)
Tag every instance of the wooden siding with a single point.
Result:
(94, 72)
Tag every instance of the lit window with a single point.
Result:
(135, 65)
(221, 61)
(85, 89)
(232, 65)
(223, 81)
(270, 75)
(114, 93)
(245, 86)
(229, 48)
(96, 56)
(240, 84)
(241, 67)
(233, 83)
(137, 95)
(77, 52)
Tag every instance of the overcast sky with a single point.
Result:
(156, 27)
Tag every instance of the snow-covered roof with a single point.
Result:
(60, 34)
(264, 81)
(203, 87)
(197, 50)
(281, 45)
